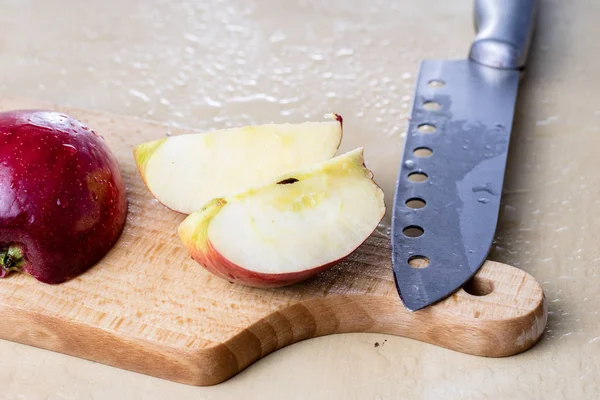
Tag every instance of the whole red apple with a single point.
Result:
(62, 197)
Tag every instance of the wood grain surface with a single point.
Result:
(149, 308)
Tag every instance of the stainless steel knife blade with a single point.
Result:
(450, 181)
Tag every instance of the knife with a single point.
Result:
(450, 180)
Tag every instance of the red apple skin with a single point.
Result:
(215, 263)
(62, 197)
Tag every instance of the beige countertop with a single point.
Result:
(212, 64)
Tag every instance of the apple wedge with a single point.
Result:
(288, 231)
(185, 172)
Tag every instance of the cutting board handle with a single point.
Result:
(504, 31)
(501, 312)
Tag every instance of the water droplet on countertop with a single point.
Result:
(277, 37)
(547, 121)
(344, 52)
(139, 95)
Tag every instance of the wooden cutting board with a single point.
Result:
(147, 307)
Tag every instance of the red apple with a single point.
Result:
(290, 230)
(62, 197)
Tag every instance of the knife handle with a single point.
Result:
(504, 30)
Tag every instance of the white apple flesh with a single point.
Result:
(185, 172)
(289, 231)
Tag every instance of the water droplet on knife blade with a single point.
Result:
(485, 188)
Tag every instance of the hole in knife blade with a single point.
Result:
(426, 128)
(432, 105)
(422, 152)
(478, 286)
(415, 202)
(436, 83)
(413, 231)
(418, 262)
(417, 177)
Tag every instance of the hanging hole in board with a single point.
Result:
(413, 231)
(415, 203)
(426, 128)
(418, 262)
(478, 286)
(417, 177)
(436, 83)
(432, 106)
(423, 152)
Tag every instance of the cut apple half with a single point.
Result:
(185, 172)
(290, 230)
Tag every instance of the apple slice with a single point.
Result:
(185, 172)
(288, 231)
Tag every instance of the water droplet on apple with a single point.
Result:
(70, 148)
(58, 202)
